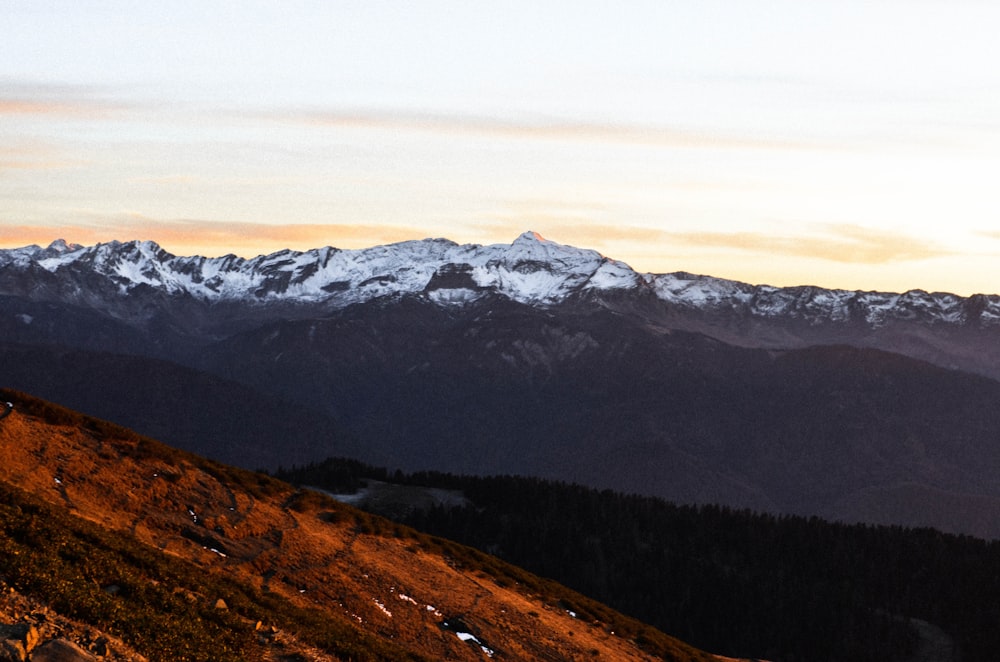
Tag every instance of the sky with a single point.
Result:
(846, 144)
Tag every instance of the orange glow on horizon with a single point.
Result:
(211, 239)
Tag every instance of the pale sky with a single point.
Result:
(838, 143)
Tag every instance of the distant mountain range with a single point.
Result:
(531, 358)
(198, 299)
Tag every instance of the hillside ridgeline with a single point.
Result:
(180, 558)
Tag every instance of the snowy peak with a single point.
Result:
(535, 270)
(30, 254)
(60, 246)
(531, 270)
(532, 246)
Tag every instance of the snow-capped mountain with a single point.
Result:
(185, 301)
(531, 270)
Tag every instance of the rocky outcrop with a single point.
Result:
(23, 642)
(30, 631)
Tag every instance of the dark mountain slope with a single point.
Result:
(23, 320)
(599, 398)
(195, 411)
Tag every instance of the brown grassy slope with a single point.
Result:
(360, 572)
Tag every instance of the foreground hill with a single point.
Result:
(183, 559)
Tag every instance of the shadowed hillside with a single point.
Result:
(593, 397)
(188, 409)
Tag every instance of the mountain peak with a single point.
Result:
(534, 246)
(60, 246)
(146, 246)
(530, 235)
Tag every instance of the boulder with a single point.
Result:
(61, 650)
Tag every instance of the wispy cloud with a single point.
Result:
(845, 243)
(33, 157)
(20, 98)
(989, 234)
(165, 180)
(536, 129)
(57, 107)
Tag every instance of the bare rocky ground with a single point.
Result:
(28, 628)
(30, 631)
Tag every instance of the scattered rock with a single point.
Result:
(100, 647)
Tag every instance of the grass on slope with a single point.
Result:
(163, 606)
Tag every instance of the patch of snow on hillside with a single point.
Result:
(465, 636)
(991, 311)
(877, 306)
(700, 291)
(453, 296)
(613, 275)
(382, 607)
(52, 264)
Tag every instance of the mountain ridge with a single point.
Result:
(321, 274)
(174, 302)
